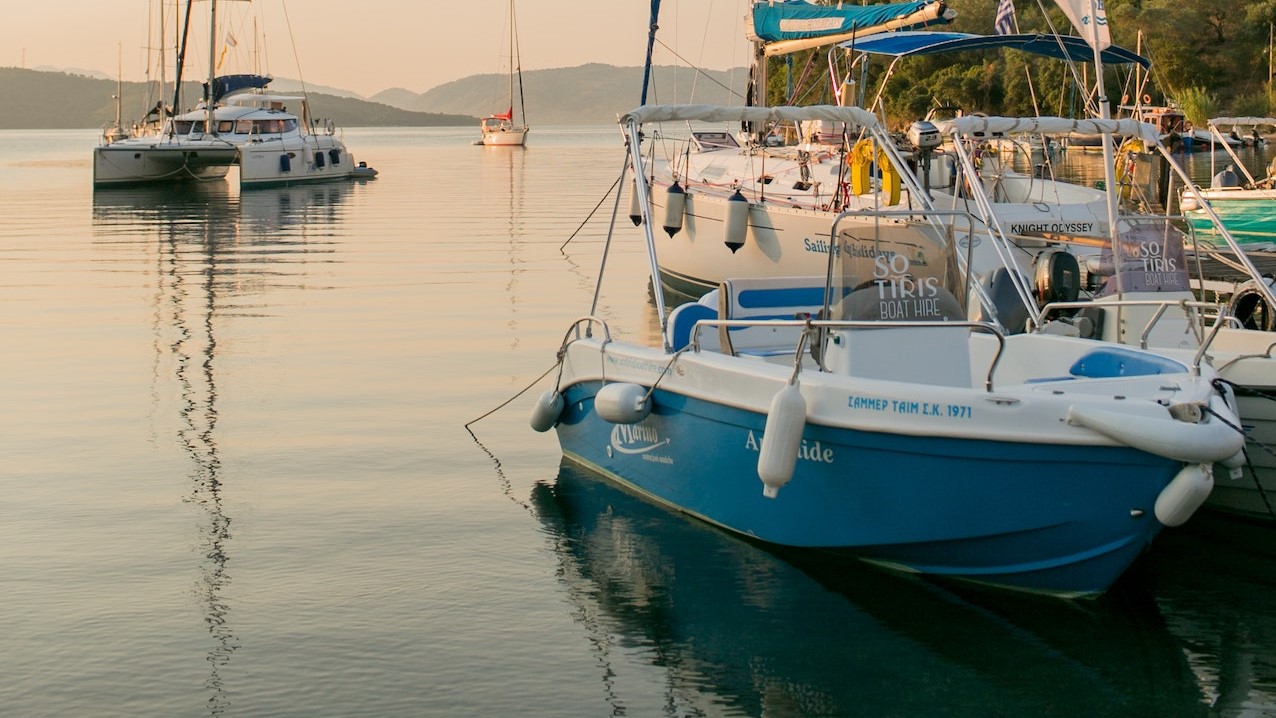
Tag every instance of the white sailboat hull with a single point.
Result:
(506, 138)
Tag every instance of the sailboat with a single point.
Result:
(499, 129)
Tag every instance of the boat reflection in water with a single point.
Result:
(265, 214)
(213, 253)
(739, 630)
(1214, 583)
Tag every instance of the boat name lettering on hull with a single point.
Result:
(812, 451)
(637, 439)
(1070, 227)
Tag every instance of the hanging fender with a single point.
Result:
(861, 161)
(1124, 164)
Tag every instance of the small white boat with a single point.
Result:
(1245, 204)
(861, 412)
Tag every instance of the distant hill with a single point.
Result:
(58, 100)
(587, 94)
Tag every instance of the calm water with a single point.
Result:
(236, 481)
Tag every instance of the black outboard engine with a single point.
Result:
(1057, 276)
(1226, 178)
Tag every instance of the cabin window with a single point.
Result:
(224, 126)
(290, 125)
(182, 127)
(197, 127)
(244, 127)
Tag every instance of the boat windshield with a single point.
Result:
(1152, 259)
(901, 276)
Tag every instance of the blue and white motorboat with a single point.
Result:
(863, 413)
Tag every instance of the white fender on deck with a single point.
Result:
(781, 439)
(635, 209)
(545, 414)
(622, 403)
(675, 207)
(737, 224)
(1209, 441)
(1184, 494)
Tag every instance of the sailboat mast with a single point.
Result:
(511, 53)
(181, 58)
(518, 64)
(651, 42)
(119, 80)
(1109, 164)
(210, 127)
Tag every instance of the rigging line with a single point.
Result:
(512, 398)
(1262, 493)
(295, 58)
(591, 214)
(699, 71)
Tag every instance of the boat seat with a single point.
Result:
(682, 320)
(766, 298)
(1114, 361)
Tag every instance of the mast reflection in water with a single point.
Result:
(208, 244)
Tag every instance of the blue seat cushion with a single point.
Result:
(1116, 361)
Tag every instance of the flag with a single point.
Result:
(1005, 22)
(1091, 21)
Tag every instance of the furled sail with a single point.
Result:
(785, 26)
(224, 85)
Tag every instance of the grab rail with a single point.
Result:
(1162, 306)
(855, 324)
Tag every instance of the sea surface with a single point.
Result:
(236, 479)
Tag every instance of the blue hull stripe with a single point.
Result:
(1045, 517)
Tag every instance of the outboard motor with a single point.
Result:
(1011, 312)
(1057, 276)
(924, 137)
(1226, 178)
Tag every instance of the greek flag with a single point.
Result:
(1005, 22)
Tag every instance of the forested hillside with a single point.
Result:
(1209, 56)
(56, 100)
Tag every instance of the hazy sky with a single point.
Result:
(370, 45)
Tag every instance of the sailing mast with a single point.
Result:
(210, 127)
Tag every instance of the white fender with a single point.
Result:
(737, 224)
(545, 413)
(675, 207)
(622, 403)
(781, 439)
(1184, 494)
(1206, 442)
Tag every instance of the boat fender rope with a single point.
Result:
(558, 365)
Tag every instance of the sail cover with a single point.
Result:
(229, 84)
(1062, 47)
(783, 20)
